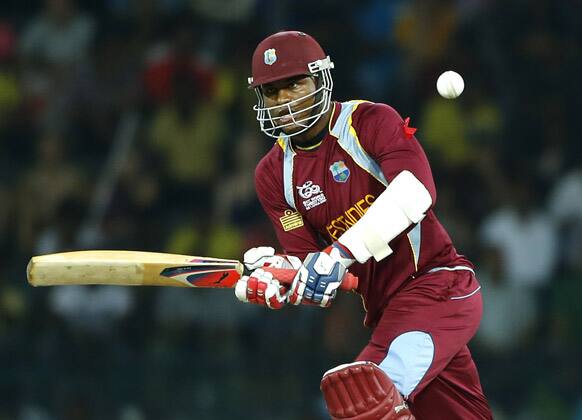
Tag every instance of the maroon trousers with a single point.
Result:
(421, 343)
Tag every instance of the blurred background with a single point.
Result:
(127, 124)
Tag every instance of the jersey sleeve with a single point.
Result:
(299, 239)
(383, 134)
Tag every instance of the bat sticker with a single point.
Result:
(219, 275)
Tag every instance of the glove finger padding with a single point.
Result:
(317, 281)
(264, 256)
(240, 289)
(260, 288)
(276, 295)
(257, 257)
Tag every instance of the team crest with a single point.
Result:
(340, 171)
(270, 56)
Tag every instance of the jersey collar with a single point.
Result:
(320, 137)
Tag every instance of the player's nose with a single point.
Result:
(284, 96)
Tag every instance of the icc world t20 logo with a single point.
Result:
(340, 171)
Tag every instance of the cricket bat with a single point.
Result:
(139, 268)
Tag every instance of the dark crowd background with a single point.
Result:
(127, 124)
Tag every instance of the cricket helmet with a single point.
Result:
(284, 55)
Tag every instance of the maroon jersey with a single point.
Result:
(313, 196)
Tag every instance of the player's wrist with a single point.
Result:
(341, 253)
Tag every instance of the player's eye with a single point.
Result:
(270, 91)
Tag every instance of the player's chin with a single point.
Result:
(290, 128)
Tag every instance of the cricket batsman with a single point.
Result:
(347, 185)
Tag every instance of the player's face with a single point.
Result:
(286, 91)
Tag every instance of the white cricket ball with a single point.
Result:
(450, 84)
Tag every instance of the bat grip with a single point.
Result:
(286, 276)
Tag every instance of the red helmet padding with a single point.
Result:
(294, 51)
(362, 391)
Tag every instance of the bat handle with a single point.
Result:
(286, 276)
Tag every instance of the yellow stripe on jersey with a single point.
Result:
(282, 143)
(331, 119)
(343, 109)
(315, 146)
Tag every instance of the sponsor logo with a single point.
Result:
(344, 221)
(291, 220)
(312, 194)
(204, 273)
(270, 56)
(340, 171)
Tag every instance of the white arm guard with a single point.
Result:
(403, 203)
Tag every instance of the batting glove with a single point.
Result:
(320, 276)
(260, 288)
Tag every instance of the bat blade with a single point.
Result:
(132, 268)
